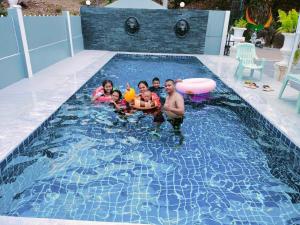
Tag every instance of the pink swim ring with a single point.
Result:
(196, 86)
(100, 97)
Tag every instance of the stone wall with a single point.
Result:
(104, 29)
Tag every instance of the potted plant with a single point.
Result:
(239, 27)
(288, 25)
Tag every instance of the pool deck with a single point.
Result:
(26, 104)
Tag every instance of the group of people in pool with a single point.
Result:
(172, 105)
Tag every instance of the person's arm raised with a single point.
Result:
(127, 87)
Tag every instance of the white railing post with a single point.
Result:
(165, 3)
(224, 33)
(66, 14)
(16, 13)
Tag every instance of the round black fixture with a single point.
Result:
(181, 28)
(132, 26)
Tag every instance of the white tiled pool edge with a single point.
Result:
(9, 220)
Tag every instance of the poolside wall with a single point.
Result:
(103, 29)
(216, 32)
(12, 61)
(46, 41)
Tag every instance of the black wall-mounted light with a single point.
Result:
(181, 28)
(132, 25)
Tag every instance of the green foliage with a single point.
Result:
(288, 21)
(3, 11)
(296, 56)
(82, 2)
(256, 28)
(241, 23)
(58, 10)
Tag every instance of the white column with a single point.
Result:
(69, 31)
(24, 40)
(165, 3)
(295, 45)
(225, 30)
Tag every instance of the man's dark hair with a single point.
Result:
(155, 79)
(170, 80)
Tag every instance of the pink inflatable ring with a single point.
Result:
(196, 86)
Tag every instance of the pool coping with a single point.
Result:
(11, 220)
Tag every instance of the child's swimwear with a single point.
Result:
(99, 96)
(156, 112)
(159, 92)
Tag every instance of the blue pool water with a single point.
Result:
(89, 164)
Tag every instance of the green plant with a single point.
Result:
(58, 9)
(296, 56)
(82, 2)
(288, 21)
(241, 23)
(3, 11)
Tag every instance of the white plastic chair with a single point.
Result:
(248, 59)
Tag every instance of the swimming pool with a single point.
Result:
(91, 165)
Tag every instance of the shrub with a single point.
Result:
(3, 11)
(296, 57)
(82, 2)
(58, 9)
(288, 21)
(241, 23)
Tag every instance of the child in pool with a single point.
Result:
(117, 101)
(121, 106)
(146, 96)
(103, 93)
(156, 112)
(157, 89)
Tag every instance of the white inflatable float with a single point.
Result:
(196, 86)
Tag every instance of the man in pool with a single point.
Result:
(174, 105)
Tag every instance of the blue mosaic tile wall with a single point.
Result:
(103, 29)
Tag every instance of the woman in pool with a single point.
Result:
(103, 93)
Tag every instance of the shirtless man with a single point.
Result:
(174, 105)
